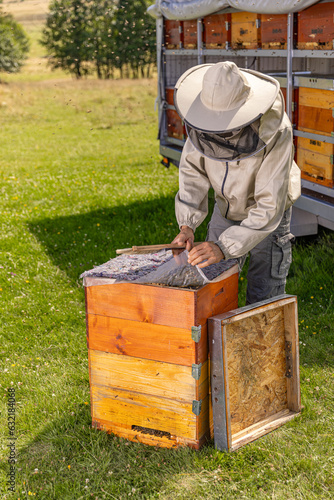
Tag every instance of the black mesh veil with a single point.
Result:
(229, 146)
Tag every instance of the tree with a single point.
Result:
(66, 36)
(14, 44)
(103, 34)
(101, 39)
(135, 36)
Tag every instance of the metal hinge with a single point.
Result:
(332, 159)
(196, 371)
(227, 25)
(288, 359)
(258, 23)
(197, 406)
(196, 332)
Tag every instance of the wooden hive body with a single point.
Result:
(316, 27)
(190, 34)
(274, 30)
(246, 32)
(173, 34)
(217, 31)
(315, 115)
(148, 359)
(254, 370)
(175, 125)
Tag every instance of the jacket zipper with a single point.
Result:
(223, 185)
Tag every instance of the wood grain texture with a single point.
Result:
(153, 440)
(146, 376)
(143, 340)
(139, 409)
(215, 34)
(173, 34)
(256, 368)
(274, 29)
(216, 298)
(316, 27)
(175, 126)
(291, 335)
(244, 32)
(148, 304)
(316, 167)
(190, 34)
(262, 428)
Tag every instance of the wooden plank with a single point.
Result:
(258, 308)
(215, 34)
(316, 27)
(145, 438)
(262, 428)
(319, 147)
(175, 126)
(150, 377)
(138, 409)
(190, 34)
(315, 120)
(143, 340)
(291, 335)
(317, 98)
(149, 304)
(255, 348)
(316, 166)
(215, 298)
(274, 29)
(244, 31)
(173, 34)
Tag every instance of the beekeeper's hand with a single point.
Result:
(205, 254)
(184, 238)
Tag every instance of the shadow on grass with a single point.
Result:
(70, 459)
(76, 243)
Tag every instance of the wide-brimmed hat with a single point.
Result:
(222, 97)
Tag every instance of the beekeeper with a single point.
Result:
(240, 142)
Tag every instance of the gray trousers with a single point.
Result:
(269, 261)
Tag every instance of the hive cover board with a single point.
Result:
(254, 370)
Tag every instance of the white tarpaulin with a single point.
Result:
(192, 9)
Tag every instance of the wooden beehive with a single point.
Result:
(316, 27)
(245, 30)
(217, 31)
(274, 30)
(148, 358)
(175, 125)
(190, 34)
(173, 34)
(315, 159)
(254, 370)
(315, 115)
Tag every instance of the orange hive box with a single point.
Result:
(175, 126)
(254, 370)
(274, 29)
(173, 34)
(316, 27)
(245, 30)
(315, 115)
(148, 358)
(217, 31)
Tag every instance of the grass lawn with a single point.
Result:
(80, 176)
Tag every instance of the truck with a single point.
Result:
(294, 46)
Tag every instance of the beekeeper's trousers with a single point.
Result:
(269, 261)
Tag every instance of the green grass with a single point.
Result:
(80, 176)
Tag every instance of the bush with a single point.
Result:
(14, 44)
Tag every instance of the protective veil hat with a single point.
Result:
(222, 97)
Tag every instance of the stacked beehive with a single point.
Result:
(148, 358)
